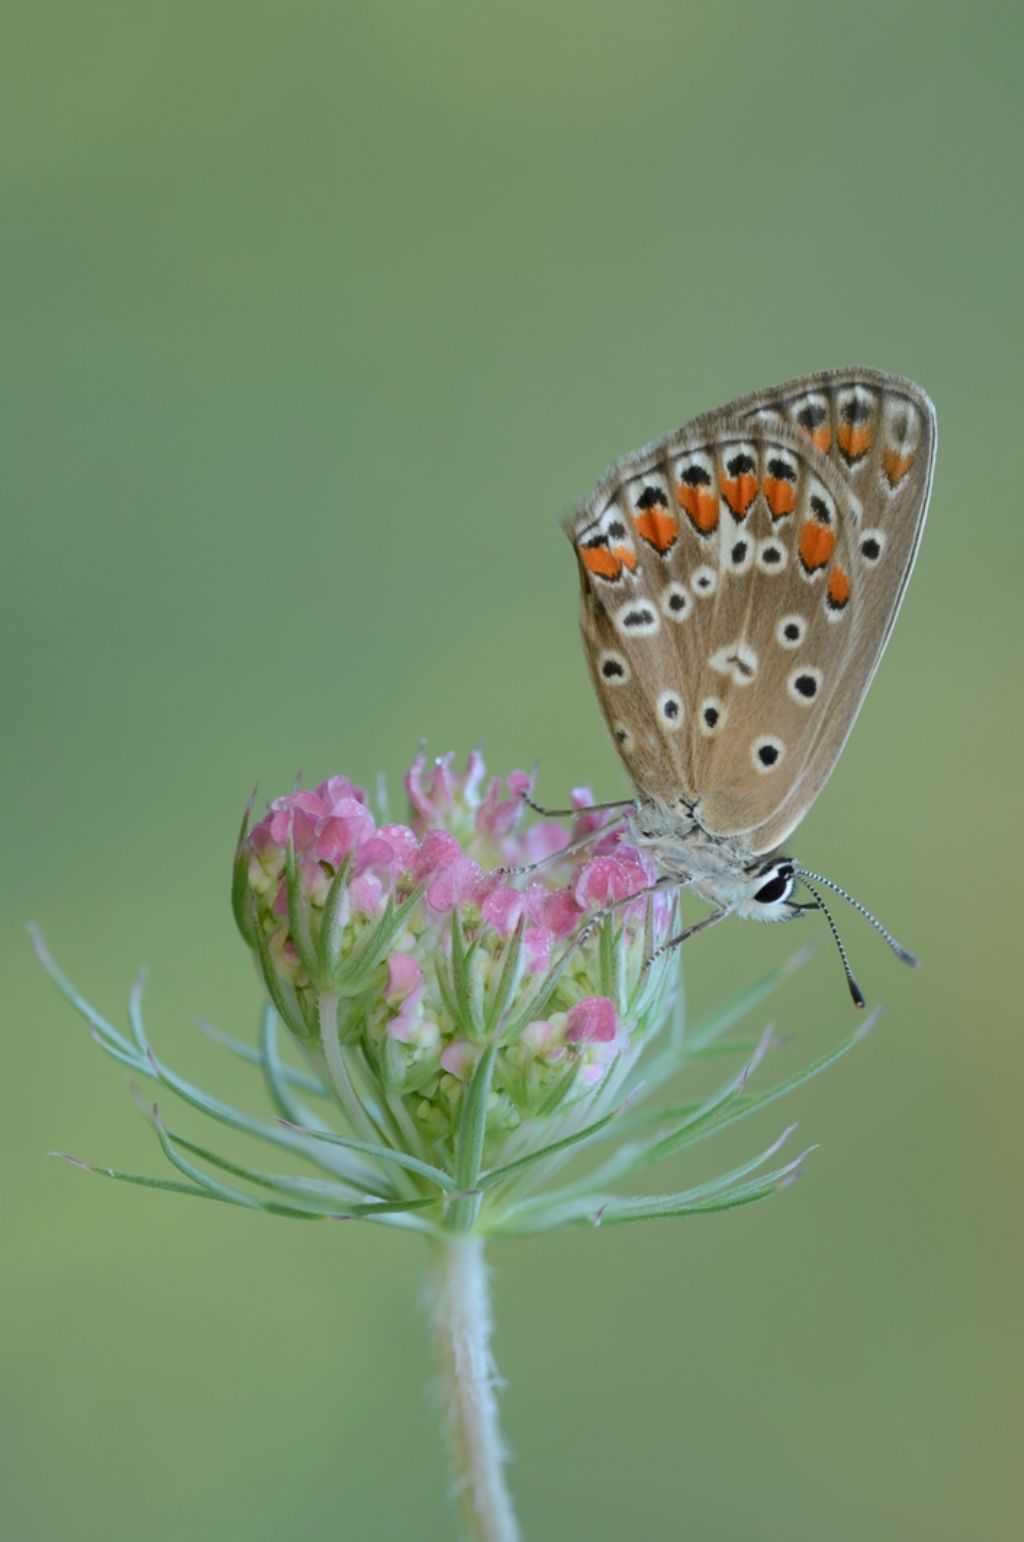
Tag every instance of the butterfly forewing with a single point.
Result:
(739, 579)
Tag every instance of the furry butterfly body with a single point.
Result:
(739, 581)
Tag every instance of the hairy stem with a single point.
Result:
(462, 1318)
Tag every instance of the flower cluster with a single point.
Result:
(403, 955)
(476, 1026)
(473, 993)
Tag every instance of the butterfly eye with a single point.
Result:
(778, 887)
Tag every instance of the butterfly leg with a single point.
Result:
(664, 882)
(564, 851)
(571, 813)
(685, 935)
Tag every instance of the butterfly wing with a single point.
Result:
(731, 617)
(879, 432)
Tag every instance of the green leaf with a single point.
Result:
(384, 1154)
(458, 997)
(782, 1089)
(561, 1087)
(632, 1158)
(476, 1010)
(104, 1030)
(223, 1191)
(609, 953)
(610, 1209)
(241, 898)
(282, 1183)
(129, 1058)
(651, 1204)
(723, 1017)
(274, 1071)
(723, 1050)
(469, 1143)
(359, 1175)
(538, 1004)
(234, 1118)
(508, 981)
(706, 1207)
(332, 926)
(681, 1049)
(742, 1194)
(170, 1184)
(580, 1138)
(287, 1011)
(360, 1108)
(362, 964)
(298, 917)
(246, 1201)
(300, 1080)
(135, 1012)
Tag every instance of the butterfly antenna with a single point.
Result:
(855, 990)
(900, 951)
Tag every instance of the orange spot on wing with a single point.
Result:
(658, 527)
(855, 439)
(701, 504)
(781, 496)
(822, 438)
(739, 492)
(626, 557)
(838, 587)
(599, 560)
(817, 543)
(896, 466)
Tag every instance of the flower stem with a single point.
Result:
(462, 1318)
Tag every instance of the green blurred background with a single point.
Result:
(315, 317)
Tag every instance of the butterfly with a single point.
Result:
(739, 581)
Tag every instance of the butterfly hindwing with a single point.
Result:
(878, 431)
(731, 616)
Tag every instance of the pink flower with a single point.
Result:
(545, 1040)
(537, 943)
(593, 1026)
(560, 912)
(458, 1058)
(441, 790)
(501, 908)
(496, 817)
(392, 890)
(342, 831)
(454, 883)
(283, 953)
(587, 820)
(404, 846)
(405, 975)
(593, 1020)
(325, 827)
(605, 880)
(542, 841)
(295, 816)
(338, 787)
(437, 850)
(367, 894)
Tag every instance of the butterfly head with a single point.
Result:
(764, 892)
